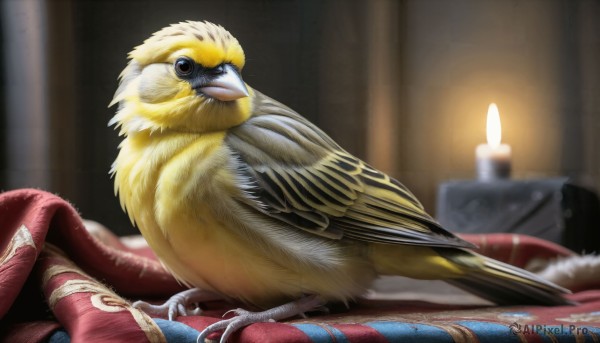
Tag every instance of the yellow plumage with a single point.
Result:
(240, 195)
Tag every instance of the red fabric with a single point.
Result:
(44, 242)
(54, 273)
(515, 249)
(360, 333)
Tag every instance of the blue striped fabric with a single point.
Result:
(463, 331)
(176, 332)
(322, 333)
(407, 332)
(487, 332)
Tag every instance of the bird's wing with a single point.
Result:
(303, 178)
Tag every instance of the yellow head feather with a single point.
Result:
(152, 97)
(207, 43)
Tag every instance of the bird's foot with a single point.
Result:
(243, 318)
(184, 303)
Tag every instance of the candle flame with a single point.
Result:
(494, 128)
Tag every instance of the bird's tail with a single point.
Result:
(502, 283)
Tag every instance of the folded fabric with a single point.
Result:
(61, 282)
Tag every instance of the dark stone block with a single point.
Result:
(552, 209)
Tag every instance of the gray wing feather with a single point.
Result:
(303, 178)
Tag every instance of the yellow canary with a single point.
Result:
(240, 196)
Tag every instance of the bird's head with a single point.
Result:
(185, 77)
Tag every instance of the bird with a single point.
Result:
(242, 198)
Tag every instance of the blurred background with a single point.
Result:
(404, 85)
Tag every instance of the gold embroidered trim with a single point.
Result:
(21, 238)
(516, 240)
(588, 317)
(102, 297)
(458, 333)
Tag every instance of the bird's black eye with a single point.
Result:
(184, 66)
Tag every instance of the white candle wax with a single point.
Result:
(493, 162)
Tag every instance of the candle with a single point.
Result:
(493, 158)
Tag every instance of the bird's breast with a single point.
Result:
(166, 182)
(177, 189)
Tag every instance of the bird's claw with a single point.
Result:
(181, 304)
(172, 308)
(243, 317)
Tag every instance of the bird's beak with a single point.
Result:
(226, 87)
